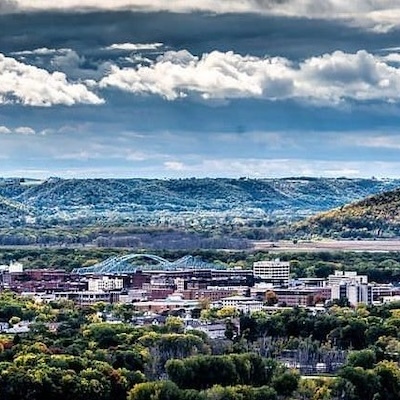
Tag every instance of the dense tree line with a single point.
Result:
(167, 390)
(201, 372)
(73, 353)
(380, 267)
(150, 238)
(345, 328)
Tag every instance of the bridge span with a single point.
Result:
(123, 265)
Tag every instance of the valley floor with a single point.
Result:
(328, 245)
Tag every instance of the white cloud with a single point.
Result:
(25, 130)
(4, 130)
(377, 141)
(42, 51)
(260, 168)
(392, 58)
(134, 46)
(33, 86)
(302, 7)
(379, 15)
(79, 155)
(139, 5)
(216, 75)
(174, 166)
(73, 65)
(7, 6)
(360, 76)
(21, 130)
(225, 168)
(391, 49)
(67, 61)
(327, 79)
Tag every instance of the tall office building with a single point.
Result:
(349, 285)
(276, 272)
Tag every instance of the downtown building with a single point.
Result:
(348, 285)
(275, 272)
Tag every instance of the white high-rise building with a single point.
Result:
(105, 283)
(346, 276)
(276, 272)
(13, 267)
(349, 285)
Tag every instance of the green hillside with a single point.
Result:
(375, 216)
(174, 213)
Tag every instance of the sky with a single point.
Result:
(199, 88)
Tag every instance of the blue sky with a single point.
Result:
(182, 88)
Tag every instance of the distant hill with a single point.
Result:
(375, 216)
(190, 213)
(8, 206)
(182, 203)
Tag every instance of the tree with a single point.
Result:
(129, 359)
(264, 393)
(286, 383)
(174, 325)
(271, 298)
(227, 312)
(231, 330)
(388, 373)
(365, 382)
(363, 358)
(323, 269)
(200, 372)
(161, 390)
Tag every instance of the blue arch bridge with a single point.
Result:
(129, 264)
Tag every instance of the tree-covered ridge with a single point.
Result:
(12, 207)
(173, 214)
(375, 216)
(119, 199)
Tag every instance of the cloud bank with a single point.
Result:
(32, 86)
(379, 14)
(290, 7)
(327, 79)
